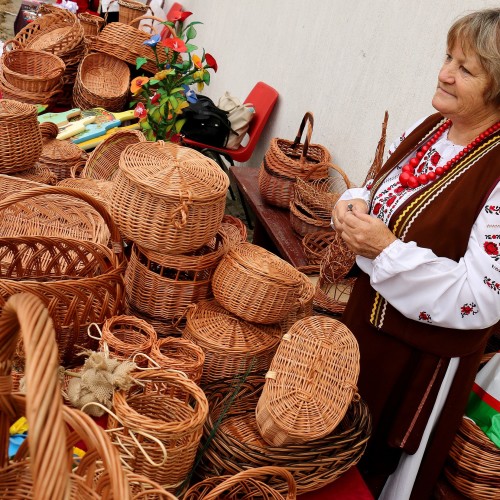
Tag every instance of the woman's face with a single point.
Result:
(462, 83)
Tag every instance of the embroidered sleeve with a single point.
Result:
(424, 287)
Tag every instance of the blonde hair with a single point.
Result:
(479, 32)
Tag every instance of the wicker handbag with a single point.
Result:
(285, 161)
(250, 484)
(231, 345)
(168, 198)
(162, 286)
(257, 285)
(473, 465)
(236, 445)
(32, 70)
(79, 281)
(20, 136)
(101, 81)
(126, 43)
(310, 383)
(46, 472)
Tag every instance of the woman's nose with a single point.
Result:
(446, 74)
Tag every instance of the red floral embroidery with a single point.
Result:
(376, 208)
(494, 285)
(435, 158)
(423, 316)
(468, 309)
(490, 248)
(391, 200)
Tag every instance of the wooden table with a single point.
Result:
(272, 229)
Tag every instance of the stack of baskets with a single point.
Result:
(29, 75)
(169, 202)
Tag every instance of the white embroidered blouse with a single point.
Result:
(422, 286)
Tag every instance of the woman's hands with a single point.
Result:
(364, 235)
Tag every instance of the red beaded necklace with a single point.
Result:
(409, 180)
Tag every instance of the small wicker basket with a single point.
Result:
(231, 345)
(315, 245)
(168, 198)
(130, 10)
(310, 383)
(257, 285)
(91, 24)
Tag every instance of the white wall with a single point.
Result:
(346, 61)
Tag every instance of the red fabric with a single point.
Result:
(349, 486)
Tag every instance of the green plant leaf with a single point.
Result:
(179, 124)
(192, 23)
(145, 125)
(153, 81)
(206, 77)
(132, 104)
(191, 33)
(176, 90)
(174, 102)
(190, 47)
(140, 62)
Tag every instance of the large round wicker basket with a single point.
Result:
(168, 198)
(231, 345)
(310, 383)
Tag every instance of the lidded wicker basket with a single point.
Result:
(310, 384)
(168, 198)
(20, 136)
(230, 344)
(257, 285)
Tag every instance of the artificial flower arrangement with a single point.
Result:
(160, 99)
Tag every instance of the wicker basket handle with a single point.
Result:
(309, 119)
(12, 41)
(44, 409)
(137, 20)
(116, 239)
(255, 473)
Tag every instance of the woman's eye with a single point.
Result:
(447, 58)
(465, 70)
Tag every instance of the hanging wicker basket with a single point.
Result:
(168, 198)
(310, 383)
(257, 285)
(285, 161)
(231, 345)
(20, 136)
(237, 444)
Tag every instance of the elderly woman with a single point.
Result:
(426, 233)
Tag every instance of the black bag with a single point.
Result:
(206, 123)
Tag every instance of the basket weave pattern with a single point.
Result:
(310, 383)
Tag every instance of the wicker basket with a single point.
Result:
(315, 245)
(235, 228)
(101, 81)
(20, 137)
(39, 174)
(125, 336)
(473, 464)
(310, 383)
(178, 354)
(130, 10)
(167, 416)
(168, 198)
(285, 161)
(237, 444)
(251, 484)
(257, 285)
(46, 472)
(231, 345)
(61, 157)
(163, 327)
(32, 70)
(91, 24)
(305, 308)
(102, 163)
(162, 286)
(79, 281)
(125, 42)
(100, 190)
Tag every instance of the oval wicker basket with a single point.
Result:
(20, 137)
(103, 162)
(285, 161)
(310, 383)
(168, 198)
(79, 281)
(251, 484)
(32, 70)
(101, 81)
(178, 354)
(257, 285)
(305, 308)
(162, 286)
(231, 345)
(169, 410)
(237, 444)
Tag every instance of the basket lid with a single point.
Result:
(311, 381)
(16, 111)
(214, 327)
(169, 170)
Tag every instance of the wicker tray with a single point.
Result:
(237, 445)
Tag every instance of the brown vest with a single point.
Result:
(403, 361)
